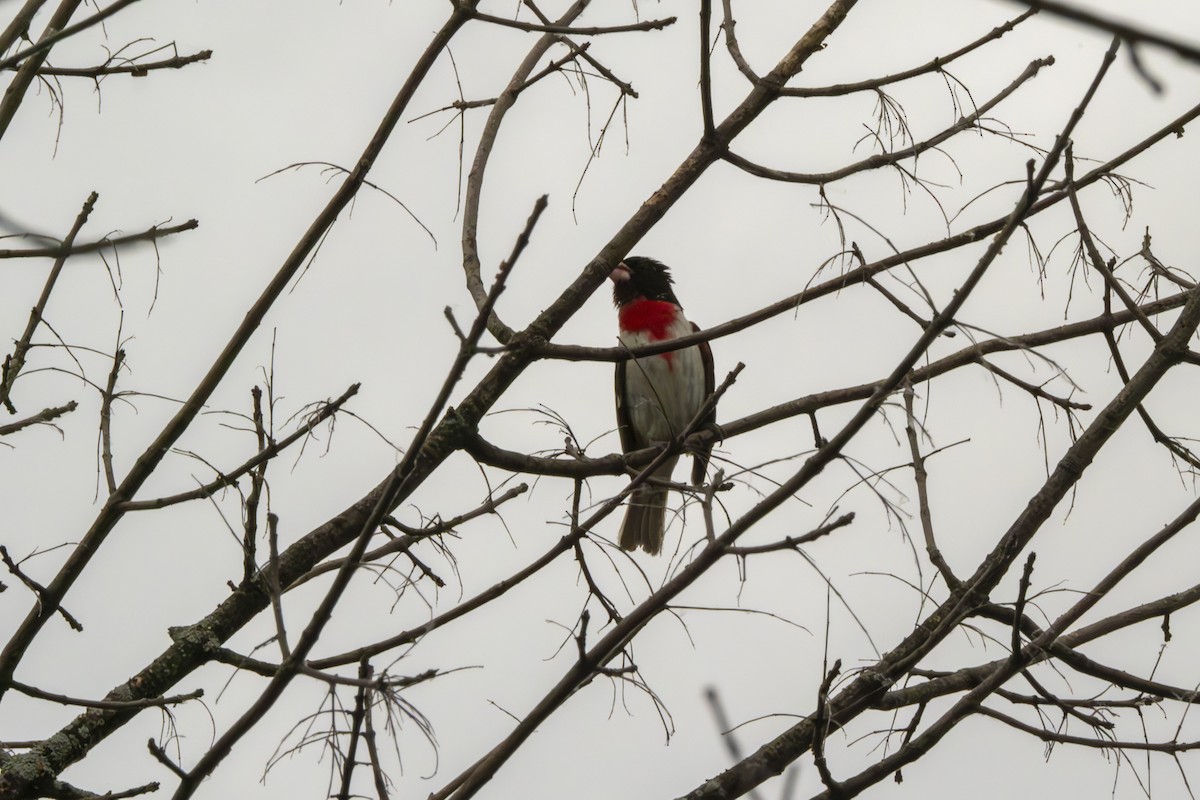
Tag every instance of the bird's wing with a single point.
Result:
(700, 463)
(624, 424)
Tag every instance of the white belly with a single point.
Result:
(665, 391)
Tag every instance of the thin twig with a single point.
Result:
(14, 364)
(1019, 608)
(106, 400)
(1037, 391)
(535, 27)
(36, 588)
(793, 542)
(161, 756)
(938, 64)
(894, 157)
(151, 235)
(109, 705)
(273, 449)
(136, 69)
(581, 50)
(1122, 30)
(820, 723)
(14, 93)
(46, 42)
(1103, 744)
(414, 535)
(324, 612)
(706, 101)
(381, 791)
(871, 682)
(921, 478)
(472, 266)
(257, 483)
(46, 415)
(39, 764)
(1093, 252)
(271, 576)
(361, 701)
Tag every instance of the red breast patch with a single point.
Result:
(652, 317)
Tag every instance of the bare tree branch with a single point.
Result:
(149, 235)
(1124, 31)
(16, 362)
(887, 159)
(45, 416)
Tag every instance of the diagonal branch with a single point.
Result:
(938, 64)
(14, 93)
(1150, 374)
(921, 478)
(151, 234)
(621, 633)
(564, 29)
(1122, 30)
(862, 693)
(395, 483)
(1057, 192)
(886, 159)
(149, 460)
(56, 33)
(273, 449)
(14, 363)
(18, 26)
(483, 151)
(137, 69)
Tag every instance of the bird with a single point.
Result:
(657, 396)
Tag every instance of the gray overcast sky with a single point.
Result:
(306, 82)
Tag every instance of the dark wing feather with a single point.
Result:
(700, 462)
(624, 426)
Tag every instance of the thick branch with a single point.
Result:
(150, 459)
(864, 691)
(55, 33)
(14, 93)
(971, 702)
(392, 488)
(857, 275)
(18, 27)
(50, 761)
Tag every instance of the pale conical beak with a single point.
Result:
(620, 273)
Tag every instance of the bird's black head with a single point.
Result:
(638, 277)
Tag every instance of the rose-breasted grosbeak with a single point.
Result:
(657, 396)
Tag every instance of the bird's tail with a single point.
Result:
(645, 516)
